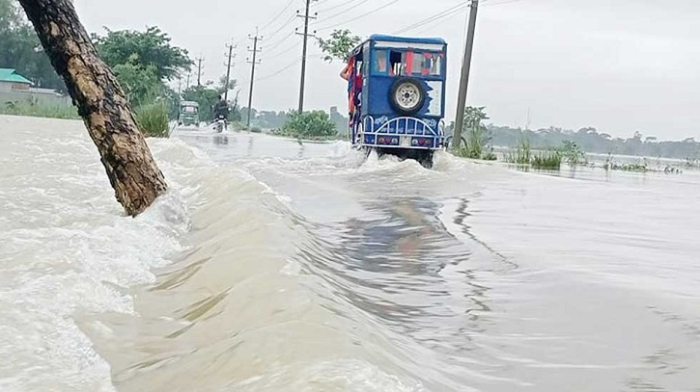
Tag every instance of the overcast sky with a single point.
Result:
(618, 65)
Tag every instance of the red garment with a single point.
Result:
(349, 73)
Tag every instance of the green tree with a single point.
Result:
(141, 84)
(20, 48)
(143, 62)
(338, 45)
(478, 137)
(316, 124)
(268, 119)
(572, 153)
(151, 48)
(590, 140)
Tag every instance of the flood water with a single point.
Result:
(278, 266)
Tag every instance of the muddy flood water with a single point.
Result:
(278, 266)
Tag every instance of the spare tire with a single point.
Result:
(407, 96)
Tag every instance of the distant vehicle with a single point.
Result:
(400, 105)
(189, 114)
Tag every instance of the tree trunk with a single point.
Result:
(101, 102)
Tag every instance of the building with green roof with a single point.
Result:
(10, 80)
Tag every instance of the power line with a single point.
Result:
(361, 16)
(279, 71)
(286, 67)
(442, 19)
(342, 5)
(280, 54)
(286, 7)
(448, 12)
(500, 3)
(345, 11)
(285, 24)
(280, 42)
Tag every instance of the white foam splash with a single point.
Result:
(67, 249)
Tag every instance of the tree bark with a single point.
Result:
(101, 102)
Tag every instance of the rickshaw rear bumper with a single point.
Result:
(404, 142)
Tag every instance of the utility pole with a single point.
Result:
(527, 122)
(464, 81)
(303, 53)
(199, 71)
(231, 55)
(189, 74)
(253, 63)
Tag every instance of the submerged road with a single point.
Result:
(279, 266)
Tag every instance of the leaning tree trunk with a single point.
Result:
(101, 102)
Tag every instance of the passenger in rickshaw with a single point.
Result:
(353, 74)
(380, 64)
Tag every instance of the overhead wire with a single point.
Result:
(286, 67)
(276, 44)
(360, 16)
(440, 15)
(285, 24)
(443, 15)
(279, 71)
(442, 19)
(282, 53)
(289, 4)
(500, 3)
(343, 12)
(339, 6)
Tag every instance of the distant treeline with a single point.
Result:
(590, 140)
(270, 119)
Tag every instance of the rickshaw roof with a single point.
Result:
(408, 40)
(397, 41)
(189, 103)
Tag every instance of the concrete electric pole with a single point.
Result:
(253, 63)
(231, 55)
(199, 71)
(464, 80)
(303, 53)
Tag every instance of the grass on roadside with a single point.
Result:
(543, 159)
(522, 154)
(152, 119)
(32, 108)
(549, 160)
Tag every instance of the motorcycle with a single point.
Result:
(221, 123)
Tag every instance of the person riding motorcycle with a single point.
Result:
(221, 109)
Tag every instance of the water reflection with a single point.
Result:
(220, 139)
(460, 219)
(404, 269)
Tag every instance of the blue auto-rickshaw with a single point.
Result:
(401, 104)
